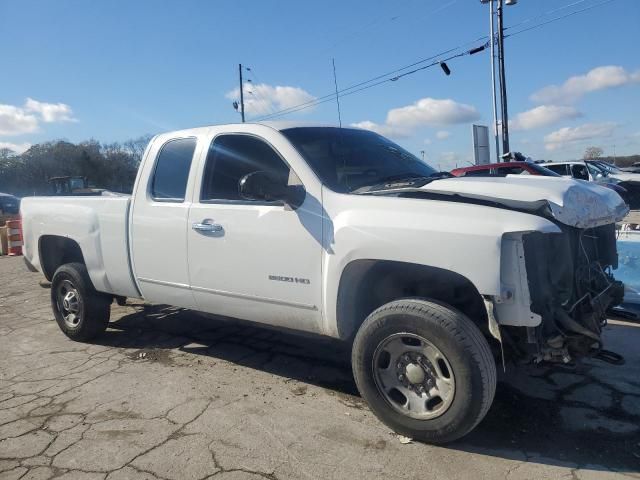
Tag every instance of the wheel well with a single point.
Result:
(368, 284)
(56, 251)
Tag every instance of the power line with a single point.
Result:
(542, 24)
(342, 92)
(545, 14)
(383, 78)
(257, 95)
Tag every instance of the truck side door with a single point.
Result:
(158, 226)
(250, 259)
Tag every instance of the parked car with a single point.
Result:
(578, 172)
(9, 206)
(502, 169)
(596, 172)
(341, 232)
(633, 168)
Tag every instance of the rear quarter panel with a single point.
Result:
(97, 224)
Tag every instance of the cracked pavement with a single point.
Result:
(169, 394)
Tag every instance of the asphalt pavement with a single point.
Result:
(169, 394)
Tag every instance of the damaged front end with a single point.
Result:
(571, 287)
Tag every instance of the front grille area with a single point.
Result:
(571, 287)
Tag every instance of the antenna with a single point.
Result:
(335, 82)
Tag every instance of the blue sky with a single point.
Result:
(117, 69)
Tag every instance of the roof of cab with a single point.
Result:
(276, 125)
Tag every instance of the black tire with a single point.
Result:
(93, 308)
(457, 338)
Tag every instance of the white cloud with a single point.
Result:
(569, 135)
(260, 99)
(15, 147)
(543, 116)
(449, 157)
(384, 130)
(427, 141)
(15, 121)
(443, 134)
(50, 112)
(432, 112)
(575, 87)
(426, 112)
(26, 119)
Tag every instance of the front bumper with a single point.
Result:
(571, 288)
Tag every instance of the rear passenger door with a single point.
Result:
(260, 260)
(159, 216)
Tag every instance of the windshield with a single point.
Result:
(76, 183)
(606, 167)
(596, 169)
(346, 159)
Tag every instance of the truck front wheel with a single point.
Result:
(82, 313)
(425, 369)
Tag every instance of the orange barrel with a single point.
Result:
(14, 237)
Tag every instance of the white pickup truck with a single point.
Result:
(341, 232)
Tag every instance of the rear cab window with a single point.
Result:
(171, 173)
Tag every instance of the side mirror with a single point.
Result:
(262, 186)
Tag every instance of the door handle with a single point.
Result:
(207, 226)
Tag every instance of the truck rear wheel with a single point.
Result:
(82, 313)
(425, 369)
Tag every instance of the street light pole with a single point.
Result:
(503, 80)
(504, 116)
(493, 80)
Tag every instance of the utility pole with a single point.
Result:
(241, 92)
(503, 80)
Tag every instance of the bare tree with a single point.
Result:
(592, 153)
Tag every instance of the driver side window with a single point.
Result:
(580, 172)
(233, 156)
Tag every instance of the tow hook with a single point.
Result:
(610, 357)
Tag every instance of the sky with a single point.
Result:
(118, 69)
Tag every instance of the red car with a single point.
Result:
(503, 169)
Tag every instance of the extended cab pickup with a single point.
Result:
(341, 232)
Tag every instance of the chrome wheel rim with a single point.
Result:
(69, 303)
(413, 376)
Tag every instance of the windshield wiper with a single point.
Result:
(401, 180)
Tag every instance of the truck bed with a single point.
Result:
(99, 225)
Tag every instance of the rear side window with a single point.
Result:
(231, 157)
(561, 169)
(172, 170)
(478, 173)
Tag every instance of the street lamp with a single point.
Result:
(502, 77)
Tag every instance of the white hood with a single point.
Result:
(574, 203)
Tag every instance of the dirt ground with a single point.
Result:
(169, 394)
